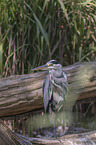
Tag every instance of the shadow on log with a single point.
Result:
(23, 93)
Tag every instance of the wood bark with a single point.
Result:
(8, 137)
(78, 139)
(23, 93)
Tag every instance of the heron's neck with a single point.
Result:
(56, 73)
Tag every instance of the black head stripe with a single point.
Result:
(52, 61)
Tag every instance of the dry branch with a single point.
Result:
(23, 93)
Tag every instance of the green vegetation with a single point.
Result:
(1, 58)
(33, 32)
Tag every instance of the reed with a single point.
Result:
(33, 32)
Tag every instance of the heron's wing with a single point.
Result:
(60, 91)
(60, 87)
(65, 84)
(65, 78)
(46, 92)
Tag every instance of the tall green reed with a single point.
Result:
(32, 32)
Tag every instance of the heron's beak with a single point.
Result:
(43, 67)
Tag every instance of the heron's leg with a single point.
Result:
(65, 129)
(54, 131)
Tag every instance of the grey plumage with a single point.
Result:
(55, 89)
(55, 86)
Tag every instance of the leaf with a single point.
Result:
(64, 10)
(39, 24)
(1, 51)
(87, 2)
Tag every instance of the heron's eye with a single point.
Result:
(51, 64)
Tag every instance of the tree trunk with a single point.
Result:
(23, 93)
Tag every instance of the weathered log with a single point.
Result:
(8, 137)
(78, 139)
(23, 93)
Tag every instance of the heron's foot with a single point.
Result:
(65, 131)
(48, 133)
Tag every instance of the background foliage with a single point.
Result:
(33, 32)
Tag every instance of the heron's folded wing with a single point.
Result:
(46, 92)
(65, 78)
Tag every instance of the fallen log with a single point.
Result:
(23, 93)
(78, 139)
(9, 137)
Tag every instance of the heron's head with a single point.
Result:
(50, 65)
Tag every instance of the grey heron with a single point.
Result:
(55, 86)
